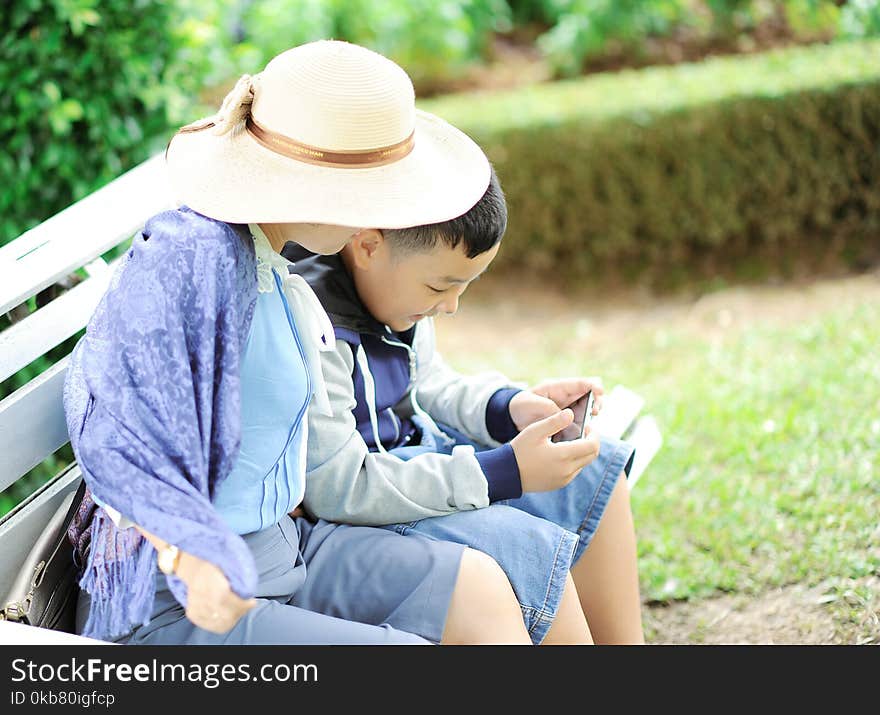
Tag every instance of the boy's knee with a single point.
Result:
(483, 572)
(481, 560)
(484, 608)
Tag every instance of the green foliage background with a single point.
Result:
(86, 86)
(776, 153)
(92, 87)
(755, 485)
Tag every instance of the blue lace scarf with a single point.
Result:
(152, 400)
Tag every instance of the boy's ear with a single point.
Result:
(365, 246)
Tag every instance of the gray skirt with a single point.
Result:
(324, 583)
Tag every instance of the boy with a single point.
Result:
(418, 448)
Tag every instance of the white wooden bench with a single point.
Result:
(32, 424)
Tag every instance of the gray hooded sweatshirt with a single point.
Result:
(350, 476)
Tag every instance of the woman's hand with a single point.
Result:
(210, 604)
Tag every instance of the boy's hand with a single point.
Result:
(545, 398)
(527, 408)
(545, 465)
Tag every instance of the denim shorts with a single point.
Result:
(322, 583)
(536, 538)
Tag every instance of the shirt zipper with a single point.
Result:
(412, 379)
(412, 358)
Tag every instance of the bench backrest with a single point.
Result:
(32, 424)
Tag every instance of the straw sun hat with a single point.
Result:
(327, 133)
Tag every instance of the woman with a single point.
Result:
(186, 398)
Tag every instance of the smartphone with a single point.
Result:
(583, 413)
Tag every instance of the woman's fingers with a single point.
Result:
(211, 602)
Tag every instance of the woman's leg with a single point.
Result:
(606, 576)
(274, 623)
(483, 609)
(269, 623)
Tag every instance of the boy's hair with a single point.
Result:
(477, 231)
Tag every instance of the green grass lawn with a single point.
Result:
(768, 473)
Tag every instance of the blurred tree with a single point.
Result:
(90, 88)
(860, 18)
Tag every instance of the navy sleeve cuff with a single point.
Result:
(502, 472)
(501, 427)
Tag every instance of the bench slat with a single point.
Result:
(19, 634)
(646, 438)
(620, 408)
(32, 337)
(20, 528)
(81, 232)
(32, 424)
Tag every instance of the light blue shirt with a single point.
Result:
(268, 479)
(279, 378)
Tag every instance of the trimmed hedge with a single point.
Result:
(774, 153)
(85, 89)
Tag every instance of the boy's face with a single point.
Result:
(399, 289)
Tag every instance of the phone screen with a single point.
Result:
(583, 412)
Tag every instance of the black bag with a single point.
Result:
(45, 591)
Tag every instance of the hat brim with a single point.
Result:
(233, 178)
